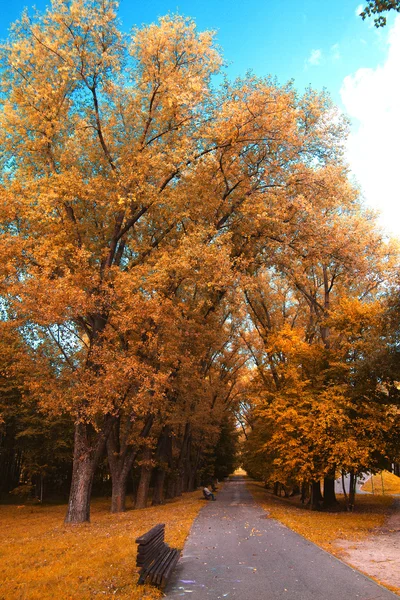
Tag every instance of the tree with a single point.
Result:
(376, 7)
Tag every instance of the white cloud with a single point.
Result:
(372, 98)
(315, 57)
(335, 52)
(359, 10)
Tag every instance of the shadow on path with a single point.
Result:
(235, 551)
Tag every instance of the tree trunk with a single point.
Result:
(352, 490)
(187, 466)
(82, 478)
(87, 453)
(316, 496)
(193, 472)
(158, 493)
(346, 498)
(170, 491)
(121, 456)
(329, 493)
(182, 461)
(304, 492)
(118, 495)
(145, 476)
(162, 463)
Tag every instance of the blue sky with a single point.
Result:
(318, 42)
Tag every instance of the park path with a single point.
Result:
(235, 552)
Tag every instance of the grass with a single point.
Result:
(43, 559)
(390, 485)
(323, 528)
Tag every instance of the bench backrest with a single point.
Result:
(150, 545)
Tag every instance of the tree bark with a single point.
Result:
(170, 491)
(352, 490)
(346, 498)
(316, 496)
(192, 483)
(182, 461)
(121, 456)
(162, 460)
(144, 483)
(158, 493)
(88, 449)
(118, 498)
(304, 492)
(329, 493)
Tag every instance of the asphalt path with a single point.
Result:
(235, 551)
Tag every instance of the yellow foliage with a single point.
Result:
(41, 559)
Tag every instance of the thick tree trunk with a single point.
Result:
(170, 491)
(118, 494)
(82, 478)
(144, 483)
(80, 493)
(89, 447)
(329, 493)
(316, 496)
(158, 493)
(121, 457)
(305, 490)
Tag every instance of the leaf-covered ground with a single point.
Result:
(383, 483)
(323, 528)
(42, 559)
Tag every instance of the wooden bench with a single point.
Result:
(155, 557)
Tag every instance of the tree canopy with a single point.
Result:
(172, 247)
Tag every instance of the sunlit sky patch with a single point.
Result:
(325, 44)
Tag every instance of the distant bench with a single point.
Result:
(155, 557)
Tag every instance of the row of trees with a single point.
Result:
(323, 334)
(161, 235)
(324, 399)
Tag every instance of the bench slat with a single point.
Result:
(168, 571)
(157, 572)
(147, 537)
(142, 549)
(140, 561)
(145, 550)
(154, 565)
(166, 565)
